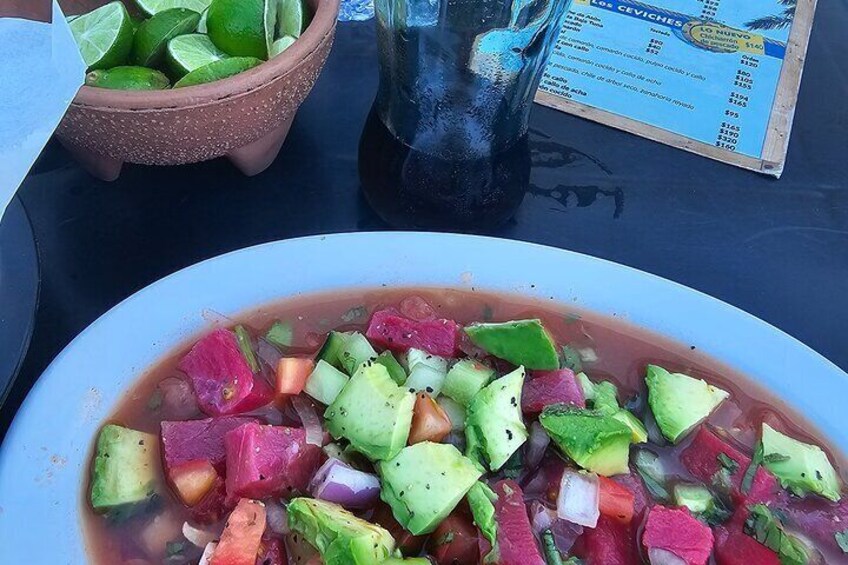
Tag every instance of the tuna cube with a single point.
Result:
(393, 331)
(272, 551)
(516, 542)
(703, 459)
(551, 387)
(221, 378)
(734, 547)
(198, 439)
(676, 531)
(267, 461)
(609, 543)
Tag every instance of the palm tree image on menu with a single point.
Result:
(780, 20)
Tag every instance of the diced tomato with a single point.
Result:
(703, 460)
(734, 547)
(516, 543)
(641, 499)
(272, 552)
(192, 480)
(219, 374)
(455, 541)
(214, 506)
(389, 329)
(608, 543)
(242, 536)
(617, 501)
(408, 543)
(292, 373)
(551, 387)
(429, 421)
(675, 530)
(269, 461)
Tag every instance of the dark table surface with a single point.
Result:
(778, 249)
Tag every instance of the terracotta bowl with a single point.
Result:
(245, 118)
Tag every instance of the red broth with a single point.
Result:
(622, 352)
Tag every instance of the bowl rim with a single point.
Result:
(319, 30)
(45, 454)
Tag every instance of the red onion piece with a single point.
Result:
(206, 558)
(543, 518)
(277, 517)
(268, 353)
(658, 556)
(199, 537)
(310, 420)
(579, 498)
(337, 482)
(178, 400)
(539, 441)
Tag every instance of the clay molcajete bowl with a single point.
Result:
(245, 117)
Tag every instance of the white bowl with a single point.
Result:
(44, 459)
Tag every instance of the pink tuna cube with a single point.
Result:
(551, 387)
(702, 459)
(198, 439)
(516, 543)
(269, 461)
(221, 378)
(391, 330)
(609, 543)
(675, 530)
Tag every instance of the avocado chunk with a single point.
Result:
(465, 379)
(800, 467)
(522, 342)
(125, 470)
(494, 427)
(481, 500)
(596, 442)
(340, 537)
(372, 412)
(679, 402)
(424, 483)
(603, 397)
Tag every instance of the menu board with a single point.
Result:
(715, 77)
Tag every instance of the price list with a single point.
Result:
(701, 69)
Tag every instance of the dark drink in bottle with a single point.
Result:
(445, 144)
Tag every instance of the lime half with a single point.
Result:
(291, 18)
(238, 27)
(281, 45)
(127, 78)
(188, 53)
(270, 23)
(153, 7)
(153, 35)
(218, 70)
(104, 36)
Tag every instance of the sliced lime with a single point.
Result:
(270, 23)
(291, 17)
(238, 27)
(153, 7)
(281, 45)
(153, 35)
(127, 78)
(104, 36)
(218, 70)
(201, 25)
(71, 18)
(187, 53)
